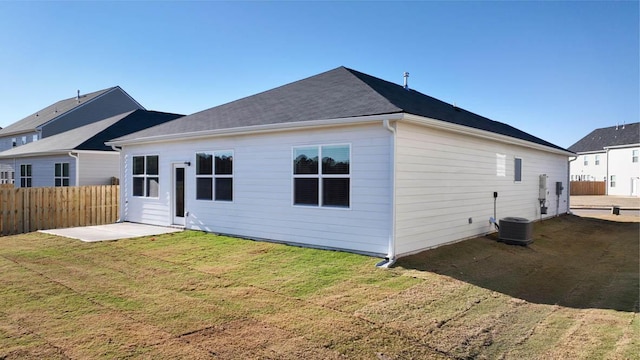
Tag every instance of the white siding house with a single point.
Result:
(610, 154)
(339, 160)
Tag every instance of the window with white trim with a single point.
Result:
(586, 160)
(324, 184)
(34, 138)
(597, 159)
(14, 142)
(24, 140)
(25, 175)
(517, 172)
(145, 176)
(61, 174)
(214, 175)
(612, 182)
(634, 156)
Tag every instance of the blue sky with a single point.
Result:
(554, 69)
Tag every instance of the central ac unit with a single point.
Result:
(516, 231)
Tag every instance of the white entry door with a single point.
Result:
(634, 186)
(178, 191)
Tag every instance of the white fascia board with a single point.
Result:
(622, 146)
(256, 129)
(447, 126)
(591, 152)
(56, 152)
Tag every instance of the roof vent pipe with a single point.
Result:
(406, 80)
(78, 96)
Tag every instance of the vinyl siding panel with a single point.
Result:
(625, 170)
(262, 204)
(6, 142)
(43, 169)
(443, 179)
(98, 168)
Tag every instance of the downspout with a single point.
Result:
(390, 259)
(121, 169)
(607, 180)
(569, 184)
(77, 157)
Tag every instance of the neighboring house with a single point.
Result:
(610, 154)
(78, 156)
(339, 160)
(62, 116)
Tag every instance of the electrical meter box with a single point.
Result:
(559, 188)
(542, 194)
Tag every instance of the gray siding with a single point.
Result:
(6, 142)
(98, 168)
(43, 169)
(112, 103)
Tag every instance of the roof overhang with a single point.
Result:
(621, 146)
(56, 153)
(313, 124)
(460, 129)
(257, 129)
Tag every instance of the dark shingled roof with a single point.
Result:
(338, 93)
(598, 139)
(94, 135)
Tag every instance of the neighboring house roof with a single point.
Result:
(335, 94)
(599, 139)
(53, 111)
(92, 136)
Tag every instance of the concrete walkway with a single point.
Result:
(605, 202)
(117, 231)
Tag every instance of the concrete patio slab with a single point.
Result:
(108, 232)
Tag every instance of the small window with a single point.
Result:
(146, 182)
(25, 175)
(322, 184)
(612, 182)
(517, 174)
(214, 176)
(61, 175)
(34, 138)
(586, 161)
(14, 142)
(597, 159)
(24, 140)
(634, 156)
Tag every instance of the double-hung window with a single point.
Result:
(634, 156)
(612, 181)
(145, 176)
(321, 175)
(25, 175)
(61, 174)
(597, 159)
(214, 175)
(586, 160)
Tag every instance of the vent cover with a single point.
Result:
(516, 231)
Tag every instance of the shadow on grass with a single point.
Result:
(574, 262)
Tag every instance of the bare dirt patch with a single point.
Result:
(572, 294)
(574, 262)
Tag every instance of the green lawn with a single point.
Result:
(196, 295)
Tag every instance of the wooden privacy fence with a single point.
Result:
(24, 210)
(588, 187)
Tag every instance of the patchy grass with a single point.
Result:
(572, 294)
